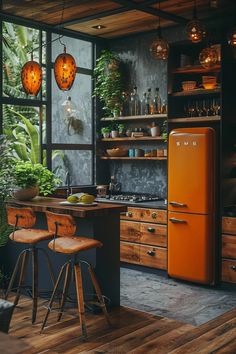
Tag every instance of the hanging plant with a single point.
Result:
(109, 82)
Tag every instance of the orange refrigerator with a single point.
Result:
(191, 205)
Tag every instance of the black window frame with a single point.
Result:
(47, 102)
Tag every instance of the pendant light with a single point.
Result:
(232, 38)
(159, 48)
(64, 70)
(208, 57)
(195, 29)
(31, 77)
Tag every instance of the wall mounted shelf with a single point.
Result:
(195, 119)
(196, 92)
(143, 138)
(133, 118)
(196, 69)
(133, 158)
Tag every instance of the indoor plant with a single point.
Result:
(32, 179)
(121, 128)
(105, 131)
(109, 82)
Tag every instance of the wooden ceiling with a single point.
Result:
(117, 17)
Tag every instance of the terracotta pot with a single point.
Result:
(25, 193)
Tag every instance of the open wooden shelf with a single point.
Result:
(195, 92)
(141, 138)
(195, 119)
(132, 118)
(196, 69)
(133, 158)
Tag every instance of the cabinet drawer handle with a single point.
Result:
(176, 204)
(154, 215)
(151, 253)
(130, 214)
(233, 267)
(123, 213)
(177, 221)
(151, 229)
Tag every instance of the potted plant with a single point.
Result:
(105, 131)
(114, 130)
(121, 129)
(109, 83)
(32, 179)
(164, 135)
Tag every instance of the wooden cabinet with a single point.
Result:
(228, 265)
(144, 237)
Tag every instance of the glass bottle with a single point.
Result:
(150, 101)
(143, 104)
(125, 104)
(134, 103)
(164, 109)
(157, 102)
(147, 105)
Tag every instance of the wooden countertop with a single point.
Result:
(53, 204)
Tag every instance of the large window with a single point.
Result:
(39, 128)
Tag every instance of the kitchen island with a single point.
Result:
(101, 222)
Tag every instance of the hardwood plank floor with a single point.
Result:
(133, 332)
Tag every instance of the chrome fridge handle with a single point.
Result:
(177, 204)
(177, 221)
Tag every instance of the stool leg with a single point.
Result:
(19, 259)
(65, 290)
(80, 299)
(99, 294)
(22, 276)
(51, 272)
(53, 296)
(34, 282)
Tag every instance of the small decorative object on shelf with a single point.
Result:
(208, 57)
(232, 37)
(105, 131)
(155, 129)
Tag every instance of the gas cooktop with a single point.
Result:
(130, 198)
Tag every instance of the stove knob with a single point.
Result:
(154, 215)
(130, 214)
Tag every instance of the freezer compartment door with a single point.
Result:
(191, 170)
(191, 247)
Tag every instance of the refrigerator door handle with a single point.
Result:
(178, 221)
(176, 204)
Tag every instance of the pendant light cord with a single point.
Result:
(55, 39)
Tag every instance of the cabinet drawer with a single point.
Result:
(144, 214)
(130, 231)
(153, 234)
(228, 225)
(129, 252)
(228, 270)
(153, 257)
(229, 246)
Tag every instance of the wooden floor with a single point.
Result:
(133, 332)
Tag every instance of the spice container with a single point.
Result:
(147, 153)
(160, 152)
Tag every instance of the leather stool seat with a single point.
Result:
(71, 245)
(31, 236)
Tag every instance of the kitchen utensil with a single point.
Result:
(188, 85)
(117, 152)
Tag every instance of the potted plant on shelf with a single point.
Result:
(121, 129)
(164, 134)
(32, 179)
(109, 85)
(105, 131)
(114, 130)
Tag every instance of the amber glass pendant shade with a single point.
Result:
(232, 38)
(195, 31)
(31, 77)
(65, 71)
(208, 57)
(159, 48)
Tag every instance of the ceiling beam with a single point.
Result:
(150, 10)
(103, 14)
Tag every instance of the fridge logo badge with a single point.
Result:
(186, 143)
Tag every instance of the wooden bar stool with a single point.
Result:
(64, 226)
(24, 218)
